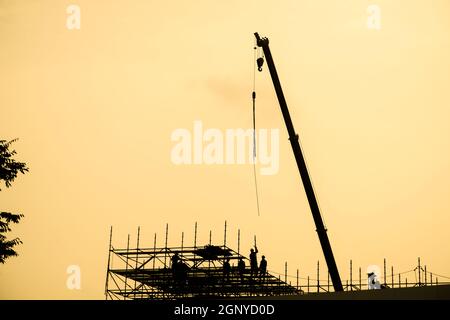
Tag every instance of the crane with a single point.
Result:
(294, 139)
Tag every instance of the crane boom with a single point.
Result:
(293, 138)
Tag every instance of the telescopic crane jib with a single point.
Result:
(293, 138)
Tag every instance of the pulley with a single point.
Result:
(259, 63)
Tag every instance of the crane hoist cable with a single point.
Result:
(255, 48)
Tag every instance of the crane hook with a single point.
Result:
(260, 62)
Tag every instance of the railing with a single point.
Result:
(421, 277)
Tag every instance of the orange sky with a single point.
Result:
(94, 110)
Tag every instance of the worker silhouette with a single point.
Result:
(241, 269)
(226, 270)
(175, 258)
(182, 273)
(374, 284)
(253, 262)
(176, 268)
(263, 268)
(179, 271)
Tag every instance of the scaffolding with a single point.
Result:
(152, 274)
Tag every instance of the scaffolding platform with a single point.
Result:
(143, 273)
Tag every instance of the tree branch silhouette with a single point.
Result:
(9, 169)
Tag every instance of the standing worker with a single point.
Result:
(253, 262)
(176, 268)
(263, 268)
(241, 269)
(175, 259)
(226, 270)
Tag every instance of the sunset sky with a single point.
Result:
(94, 110)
